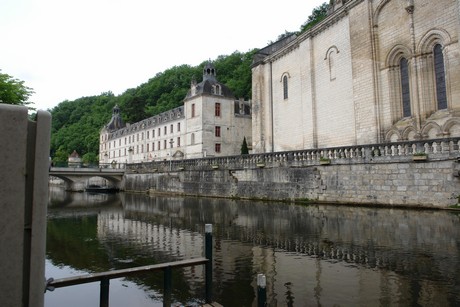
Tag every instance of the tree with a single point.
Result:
(317, 15)
(244, 147)
(13, 91)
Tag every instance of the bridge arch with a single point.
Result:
(76, 179)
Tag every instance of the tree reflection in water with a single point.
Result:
(311, 255)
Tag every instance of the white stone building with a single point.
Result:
(210, 123)
(372, 71)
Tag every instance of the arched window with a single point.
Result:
(440, 77)
(332, 65)
(285, 87)
(405, 88)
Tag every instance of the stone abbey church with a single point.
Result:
(372, 71)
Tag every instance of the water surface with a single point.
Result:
(311, 255)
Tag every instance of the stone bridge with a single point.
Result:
(76, 178)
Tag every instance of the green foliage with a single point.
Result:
(60, 157)
(13, 91)
(244, 147)
(76, 125)
(90, 158)
(317, 15)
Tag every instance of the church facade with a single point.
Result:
(372, 71)
(210, 123)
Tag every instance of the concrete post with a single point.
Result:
(24, 166)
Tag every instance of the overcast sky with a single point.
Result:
(69, 49)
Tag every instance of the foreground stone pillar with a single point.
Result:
(24, 166)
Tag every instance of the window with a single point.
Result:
(153, 133)
(166, 130)
(119, 142)
(192, 139)
(147, 147)
(148, 136)
(217, 148)
(159, 145)
(153, 146)
(285, 87)
(178, 127)
(142, 148)
(125, 151)
(178, 141)
(217, 109)
(332, 65)
(193, 110)
(405, 89)
(142, 137)
(125, 141)
(440, 76)
(171, 129)
(159, 131)
(137, 149)
(217, 131)
(164, 144)
(137, 136)
(171, 142)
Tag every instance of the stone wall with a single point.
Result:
(381, 174)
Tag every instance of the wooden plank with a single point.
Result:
(87, 278)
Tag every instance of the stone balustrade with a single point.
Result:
(445, 148)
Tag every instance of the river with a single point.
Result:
(316, 255)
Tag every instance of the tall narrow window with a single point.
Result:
(332, 65)
(178, 141)
(440, 75)
(178, 127)
(217, 131)
(285, 87)
(171, 129)
(217, 148)
(405, 89)
(217, 109)
(193, 110)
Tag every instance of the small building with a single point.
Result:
(211, 122)
(74, 159)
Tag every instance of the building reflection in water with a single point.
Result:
(311, 255)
